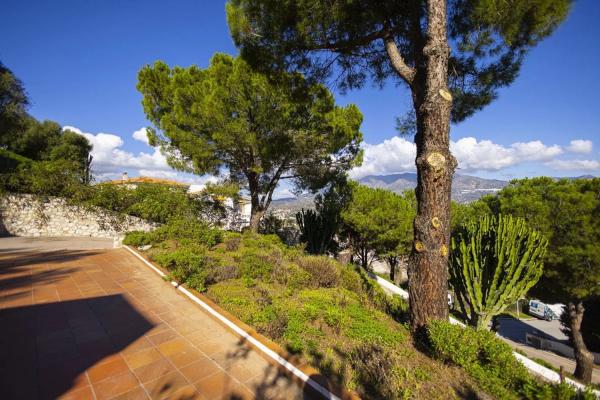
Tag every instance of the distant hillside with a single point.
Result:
(290, 205)
(465, 188)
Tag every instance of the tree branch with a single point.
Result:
(347, 45)
(405, 71)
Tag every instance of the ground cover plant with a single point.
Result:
(337, 319)
(328, 314)
(491, 363)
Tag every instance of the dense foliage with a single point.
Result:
(379, 223)
(317, 230)
(489, 39)
(320, 228)
(493, 263)
(452, 55)
(566, 212)
(491, 363)
(230, 118)
(13, 106)
(152, 202)
(37, 157)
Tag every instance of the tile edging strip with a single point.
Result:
(531, 365)
(270, 353)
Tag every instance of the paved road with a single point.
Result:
(98, 324)
(516, 329)
(513, 332)
(14, 244)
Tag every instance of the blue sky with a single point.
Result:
(79, 61)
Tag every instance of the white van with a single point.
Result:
(545, 311)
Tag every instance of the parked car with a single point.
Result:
(545, 311)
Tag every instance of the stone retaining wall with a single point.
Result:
(27, 215)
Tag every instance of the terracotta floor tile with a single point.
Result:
(96, 346)
(200, 369)
(188, 392)
(56, 380)
(96, 350)
(185, 357)
(116, 385)
(105, 370)
(216, 386)
(84, 393)
(164, 336)
(275, 386)
(135, 394)
(165, 386)
(214, 346)
(244, 372)
(174, 346)
(240, 392)
(139, 344)
(154, 370)
(142, 357)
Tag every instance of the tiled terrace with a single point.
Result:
(98, 324)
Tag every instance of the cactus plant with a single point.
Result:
(317, 230)
(494, 262)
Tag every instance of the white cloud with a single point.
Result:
(535, 151)
(282, 193)
(392, 155)
(157, 173)
(570, 165)
(109, 157)
(398, 155)
(580, 146)
(141, 135)
(485, 154)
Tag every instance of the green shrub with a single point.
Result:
(44, 178)
(232, 242)
(185, 232)
(161, 203)
(350, 279)
(137, 238)
(375, 369)
(197, 281)
(367, 326)
(218, 273)
(324, 272)
(190, 231)
(153, 202)
(185, 266)
(291, 276)
(254, 265)
(111, 197)
(491, 363)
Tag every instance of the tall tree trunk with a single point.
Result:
(583, 357)
(427, 273)
(256, 214)
(393, 262)
(256, 209)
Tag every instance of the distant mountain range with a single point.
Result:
(465, 188)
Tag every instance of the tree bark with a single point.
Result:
(255, 217)
(427, 272)
(583, 357)
(256, 209)
(392, 262)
